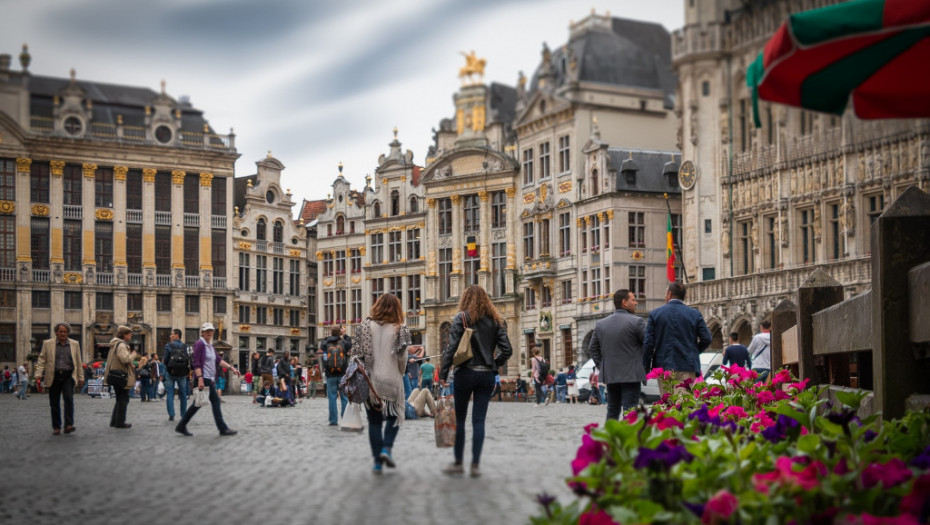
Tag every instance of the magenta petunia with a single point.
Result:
(785, 475)
(919, 498)
(735, 412)
(890, 474)
(764, 397)
(596, 516)
(658, 373)
(783, 376)
(720, 507)
(590, 451)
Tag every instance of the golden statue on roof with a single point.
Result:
(474, 66)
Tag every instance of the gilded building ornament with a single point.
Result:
(403, 178)
(511, 192)
(319, 255)
(587, 220)
(600, 216)
(455, 198)
(148, 174)
(579, 222)
(40, 210)
(245, 328)
(104, 214)
(245, 245)
(206, 180)
(119, 172)
(528, 198)
(7, 207)
(73, 278)
(177, 176)
(610, 215)
(90, 170)
(361, 250)
(431, 203)
(295, 331)
(565, 186)
(22, 165)
(294, 253)
(356, 280)
(328, 282)
(57, 167)
(384, 181)
(483, 195)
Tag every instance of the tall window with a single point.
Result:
(277, 231)
(327, 263)
(219, 304)
(261, 233)
(261, 315)
(218, 196)
(376, 210)
(134, 302)
(8, 242)
(544, 168)
(218, 252)
(396, 286)
(395, 203)
(40, 243)
(413, 293)
(528, 166)
(445, 216)
(565, 155)
(329, 311)
(413, 244)
(191, 194)
(103, 246)
(134, 190)
(876, 207)
(340, 261)
(743, 125)
(544, 238)
(445, 273)
(134, 248)
(638, 280)
(261, 273)
(745, 247)
(341, 306)
(771, 249)
(472, 213)
(71, 244)
(245, 312)
(295, 318)
(277, 275)
(545, 300)
(565, 234)
(104, 301)
(807, 236)
(528, 241)
(294, 288)
(244, 271)
(39, 182)
(566, 288)
(498, 265)
(596, 282)
(356, 305)
(529, 299)
(377, 248)
(472, 264)
(340, 224)
(836, 234)
(162, 191)
(74, 300)
(498, 209)
(595, 184)
(395, 247)
(637, 229)
(162, 249)
(191, 251)
(355, 260)
(72, 185)
(595, 233)
(162, 303)
(414, 205)
(377, 289)
(277, 316)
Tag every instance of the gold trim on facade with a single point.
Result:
(57, 167)
(89, 170)
(104, 214)
(295, 331)
(245, 328)
(565, 187)
(510, 192)
(7, 207)
(483, 195)
(243, 245)
(119, 172)
(177, 176)
(528, 198)
(455, 198)
(148, 174)
(294, 253)
(22, 165)
(72, 277)
(40, 210)
(206, 179)
(431, 203)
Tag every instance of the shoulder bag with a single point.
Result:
(116, 377)
(463, 352)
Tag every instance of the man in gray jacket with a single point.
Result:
(617, 349)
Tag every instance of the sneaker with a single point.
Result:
(377, 469)
(170, 418)
(455, 469)
(387, 459)
(475, 471)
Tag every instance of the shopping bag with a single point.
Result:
(352, 418)
(161, 388)
(445, 422)
(463, 352)
(201, 397)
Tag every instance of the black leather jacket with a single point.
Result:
(487, 337)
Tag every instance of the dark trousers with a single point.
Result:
(62, 386)
(468, 382)
(540, 395)
(382, 431)
(119, 409)
(621, 397)
(214, 403)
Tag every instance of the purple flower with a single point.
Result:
(781, 429)
(696, 508)
(923, 460)
(663, 457)
(870, 436)
(703, 415)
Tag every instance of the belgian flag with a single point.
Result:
(472, 246)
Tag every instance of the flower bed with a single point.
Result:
(747, 452)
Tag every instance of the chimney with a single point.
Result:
(5, 59)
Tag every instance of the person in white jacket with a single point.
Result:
(760, 351)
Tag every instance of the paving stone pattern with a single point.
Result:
(285, 466)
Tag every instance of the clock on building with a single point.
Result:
(687, 174)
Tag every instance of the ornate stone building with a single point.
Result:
(113, 210)
(269, 254)
(763, 207)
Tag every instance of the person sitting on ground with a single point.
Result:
(262, 394)
(519, 389)
(421, 399)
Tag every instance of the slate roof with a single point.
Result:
(503, 102)
(239, 186)
(650, 177)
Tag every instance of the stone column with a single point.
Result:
(148, 226)
(206, 232)
(87, 202)
(458, 240)
(484, 241)
(23, 253)
(119, 225)
(177, 228)
(513, 228)
(56, 224)
(429, 247)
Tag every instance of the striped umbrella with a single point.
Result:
(877, 51)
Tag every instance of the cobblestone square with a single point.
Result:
(284, 466)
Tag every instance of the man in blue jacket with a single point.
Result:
(675, 336)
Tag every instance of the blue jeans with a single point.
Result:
(24, 387)
(408, 386)
(763, 374)
(381, 437)
(426, 384)
(560, 393)
(468, 382)
(332, 390)
(214, 404)
(183, 384)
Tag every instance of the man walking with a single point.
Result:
(335, 361)
(177, 367)
(675, 336)
(736, 353)
(61, 359)
(540, 371)
(760, 351)
(617, 349)
(22, 374)
(266, 368)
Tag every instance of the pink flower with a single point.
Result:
(736, 412)
(631, 417)
(917, 500)
(714, 412)
(662, 421)
(596, 516)
(891, 474)
(719, 507)
(785, 475)
(714, 391)
(764, 397)
(658, 373)
(800, 386)
(590, 451)
(783, 376)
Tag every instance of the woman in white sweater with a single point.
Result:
(381, 344)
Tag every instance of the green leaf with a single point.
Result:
(809, 443)
(851, 399)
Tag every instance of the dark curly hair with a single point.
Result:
(477, 304)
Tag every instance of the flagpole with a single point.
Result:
(675, 246)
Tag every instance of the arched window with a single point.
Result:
(414, 205)
(395, 203)
(340, 225)
(260, 230)
(595, 185)
(376, 210)
(278, 231)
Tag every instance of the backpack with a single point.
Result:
(543, 367)
(336, 362)
(7, 375)
(179, 364)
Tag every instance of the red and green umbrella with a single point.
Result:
(877, 51)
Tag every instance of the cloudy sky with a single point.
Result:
(315, 82)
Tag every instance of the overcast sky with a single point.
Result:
(316, 82)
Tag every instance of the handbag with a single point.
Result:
(352, 419)
(117, 378)
(201, 397)
(444, 423)
(463, 352)
(357, 387)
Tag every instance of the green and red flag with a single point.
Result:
(669, 251)
(875, 51)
